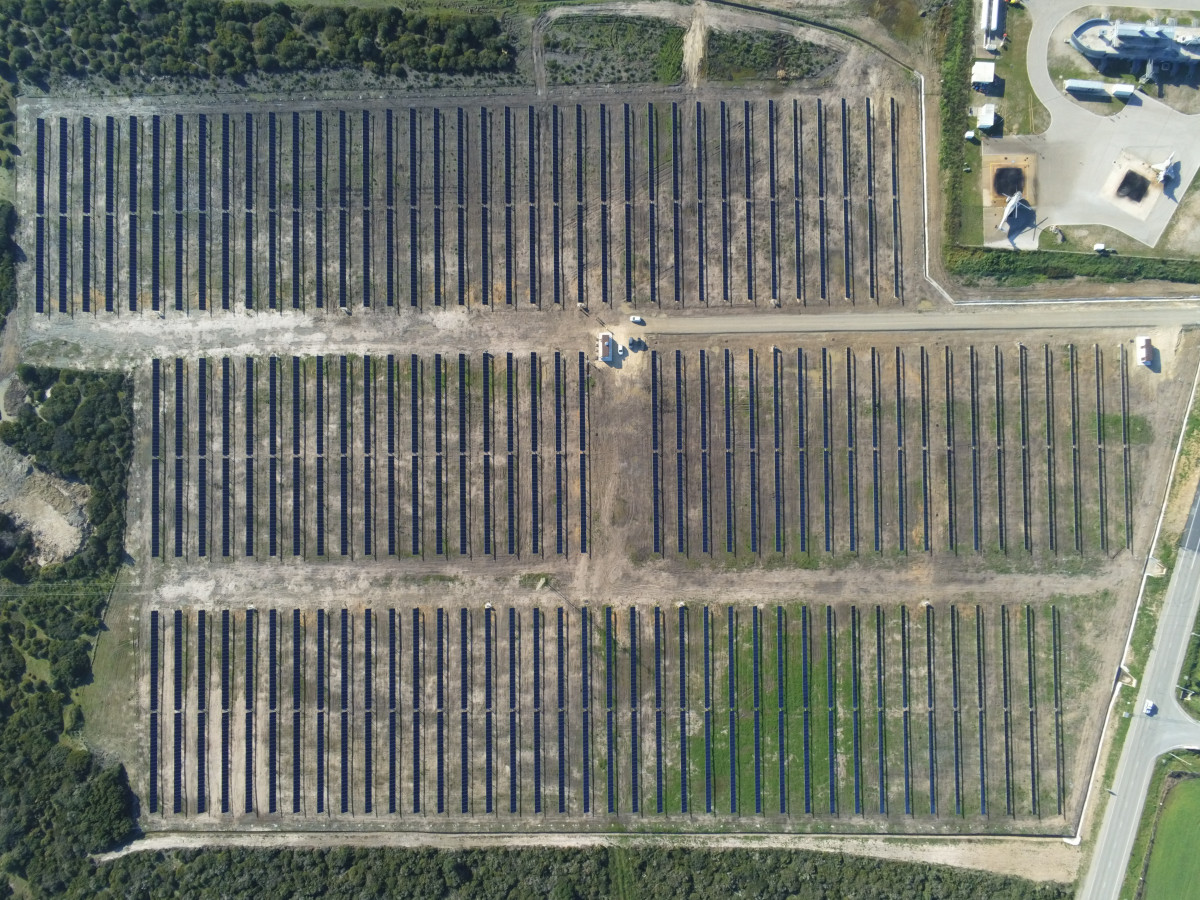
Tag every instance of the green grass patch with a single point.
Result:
(762, 55)
(901, 17)
(1164, 831)
(1174, 867)
(970, 230)
(1022, 111)
(1140, 431)
(613, 50)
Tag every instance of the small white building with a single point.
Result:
(983, 74)
(986, 118)
(606, 347)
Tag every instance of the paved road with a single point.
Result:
(1149, 738)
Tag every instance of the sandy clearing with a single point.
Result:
(52, 509)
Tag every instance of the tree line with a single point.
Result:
(130, 40)
(589, 873)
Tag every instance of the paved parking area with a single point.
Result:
(1079, 152)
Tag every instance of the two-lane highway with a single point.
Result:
(1151, 736)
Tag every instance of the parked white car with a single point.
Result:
(637, 320)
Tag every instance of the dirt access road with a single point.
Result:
(1041, 859)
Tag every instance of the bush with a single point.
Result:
(733, 56)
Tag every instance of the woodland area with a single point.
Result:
(583, 874)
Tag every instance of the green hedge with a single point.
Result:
(955, 24)
(1028, 267)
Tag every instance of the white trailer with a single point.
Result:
(1145, 350)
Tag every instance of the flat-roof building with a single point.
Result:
(606, 347)
(983, 73)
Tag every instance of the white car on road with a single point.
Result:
(637, 320)
(1149, 709)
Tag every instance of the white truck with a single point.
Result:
(1145, 350)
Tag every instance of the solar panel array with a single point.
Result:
(441, 145)
(732, 659)
(255, 494)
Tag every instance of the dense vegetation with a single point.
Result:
(135, 39)
(58, 802)
(78, 426)
(579, 874)
(736, 56)
(955, 23)
(613, 50)
(1028, 267)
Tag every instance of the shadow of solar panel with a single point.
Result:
(512, 760)
(392, 761)
(537, 760)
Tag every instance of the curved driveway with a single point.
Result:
(1077, 153)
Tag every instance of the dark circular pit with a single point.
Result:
(1133, 186)
(1008, 180)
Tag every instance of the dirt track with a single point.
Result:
(1042, 859)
